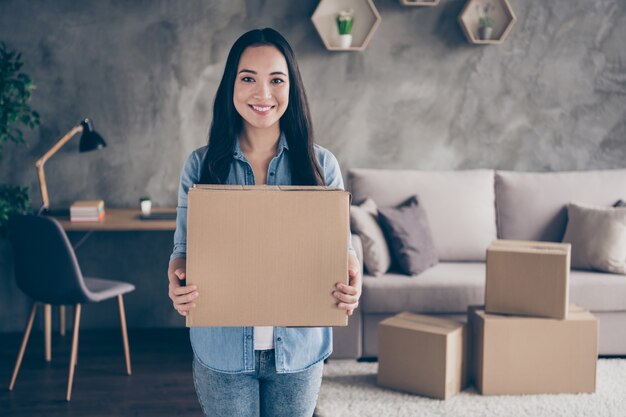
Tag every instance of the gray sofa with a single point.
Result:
(466, 211)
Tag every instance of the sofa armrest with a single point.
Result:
(348, 340)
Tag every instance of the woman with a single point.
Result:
(261, 133)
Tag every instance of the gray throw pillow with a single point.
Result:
(363, 221)
(598, 237)
(410, 239)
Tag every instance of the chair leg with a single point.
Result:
(74, 351)
(20, 355)
(77, 341)
(62, 320)
(120, 302)
(47, 312)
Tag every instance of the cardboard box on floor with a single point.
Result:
(267, 255)
(531, 355)
(528, 278)
(423, 355)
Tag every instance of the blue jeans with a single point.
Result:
(261, 393)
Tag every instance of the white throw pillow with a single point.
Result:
(364, 222)
(598, 237)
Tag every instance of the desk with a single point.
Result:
(120, 220)
(115, 220)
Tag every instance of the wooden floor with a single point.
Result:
(161, 383)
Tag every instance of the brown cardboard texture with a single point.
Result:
(267, 255)
(423, 355)
(528, 278)
(531, 355)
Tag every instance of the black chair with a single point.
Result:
(46, 269)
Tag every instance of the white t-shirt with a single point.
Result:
(263, 337)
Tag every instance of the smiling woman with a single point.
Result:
(261, 133)
(255, 61)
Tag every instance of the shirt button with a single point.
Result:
(248, 337)
(279, 339)
(271, 174)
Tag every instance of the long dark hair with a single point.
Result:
(295, 123)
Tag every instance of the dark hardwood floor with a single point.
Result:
(161, 383)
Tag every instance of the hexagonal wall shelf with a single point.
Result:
(419, 2)
(366, 21)
(499, 10)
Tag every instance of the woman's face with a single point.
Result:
(261, 92)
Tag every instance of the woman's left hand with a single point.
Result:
(348, 295)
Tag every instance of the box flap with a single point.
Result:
(574, 313)
(527, 246)
(230, 187)
(422, 322)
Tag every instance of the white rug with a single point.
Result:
(349, 389)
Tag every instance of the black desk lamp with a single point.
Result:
(90, 140)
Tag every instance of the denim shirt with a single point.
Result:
(231, 349)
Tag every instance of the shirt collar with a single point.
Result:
(282, 144)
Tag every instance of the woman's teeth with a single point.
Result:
(261, 109)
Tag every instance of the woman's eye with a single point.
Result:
(247, 79)
(277, 81)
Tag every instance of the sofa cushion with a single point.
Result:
(446, 287)
(364, 222)
(460, 205)
(409, 236)
(598, 291)
(598, 237)
(450, 287)
(532, 205)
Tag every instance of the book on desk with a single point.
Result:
(87, 211)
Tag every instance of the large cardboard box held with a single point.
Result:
(423, 355)
(530, 355)
(528, 278)
(267, 255)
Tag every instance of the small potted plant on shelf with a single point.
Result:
(485, 21)
(146, 205)
(345, 19)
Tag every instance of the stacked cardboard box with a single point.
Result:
(528, 278)
(532, 355)
(528, 339)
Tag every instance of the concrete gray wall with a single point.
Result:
(551, 97)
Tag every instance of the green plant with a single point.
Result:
(15, 92)
(484, 20)
(345, 19)
(13, 200)
(144, 198)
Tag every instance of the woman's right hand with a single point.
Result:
(182, 296)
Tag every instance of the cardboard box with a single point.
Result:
(530, 355)
(528, 278)
(267, 255)
(423, 355)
